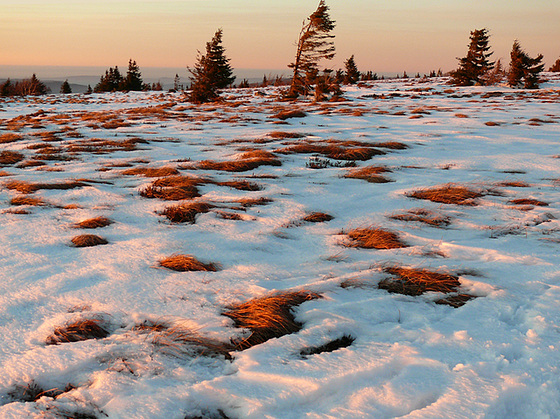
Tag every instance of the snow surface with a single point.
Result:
(495, 357)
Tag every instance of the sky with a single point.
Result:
(384, 36)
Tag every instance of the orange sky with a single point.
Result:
(384, 36)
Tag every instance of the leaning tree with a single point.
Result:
(476, 64)
(315, 43)
(522, 66)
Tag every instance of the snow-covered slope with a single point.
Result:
(391, 355)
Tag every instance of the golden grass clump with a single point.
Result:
(247, 161)
(186, 213)
(96, 222)
(10, 137)
(4, 173)
(423, 216)
(170, 194)
(514, 184)
(30, 187)
(10, 157)
(88, 240)
(268, 317)
(80, 330)
(187, 263)
(27, 200)
(283, 135)
(251, 202)
(528, 201)
(241, 185)
(410, 281)
(448, 194)
(151, 171)
(286, 114)
(317, 217)
(371, 174)
(374, 238)
(32, 392)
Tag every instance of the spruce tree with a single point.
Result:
(315, 43)
(133, 80)
(476, 64)
(6, 89)
(556, 67)
(89, 90)
(65, 88)
(211, 72)
(523, 67)
(352, 75)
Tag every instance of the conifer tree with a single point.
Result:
(523, 67)
(476, 64)
(556, 67)
(89, 90)
(133, 80)
(65, 87)
(211, 72)
(6, 89)
(177, 83)
(315, 43)
(352, 75)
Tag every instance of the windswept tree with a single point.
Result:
(110, 82)
(476, 64)
(315, 43)
(523, 67)
(211, 72)
(352, 75)
(32, 86)
(65, 87)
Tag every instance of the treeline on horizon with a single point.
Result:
(212, 71)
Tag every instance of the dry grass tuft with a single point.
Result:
(286, 114)
(410, 281)
(88, 240)
(10, 137)
(148, 326)
(27, 200)
(186, 213)
(528, 201)
(3, 173)
(151, 171)
(187, 263)
(448, 194)
(342, 342)
(251, 202)
(241, 185)
(10, 157)
(283, 135)
(514, 184)
(424, 216)
(30, 187)
(318, 217)
(96, 222)
(338, 150)
(180, 341)
(374, 238)
(32, 392)
(177, 193)
(392, 145)
(455, 301)
(78, 331)
(246, 161)
(371, 174)
(268, 317)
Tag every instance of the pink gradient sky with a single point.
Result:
(384, 36)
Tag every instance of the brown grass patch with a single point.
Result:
(461, 115)
(78, 331)
(423, 216)
(374, 238)
(30, 187)
(528, 201)
(342, 342)
(27, 200)
(88, 240)
(32, 392)
(151, 171)
(96, 222)
(251, 202)
(180, 341)
(410, 281)
(104, 146)
(514, 184)
(286, 114)
(229, 215)
(187, 263)
(241, 185)
(336, 150)
(10, 137)
(448, 194)
(170, 194)
(392, 145)
(492, 124)
(318, 217)
(3, 173)
(186, 213)
(246, 161)
(371, 174)
(283, 135)
(455, 301)
(10, 157)
(268, 317)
